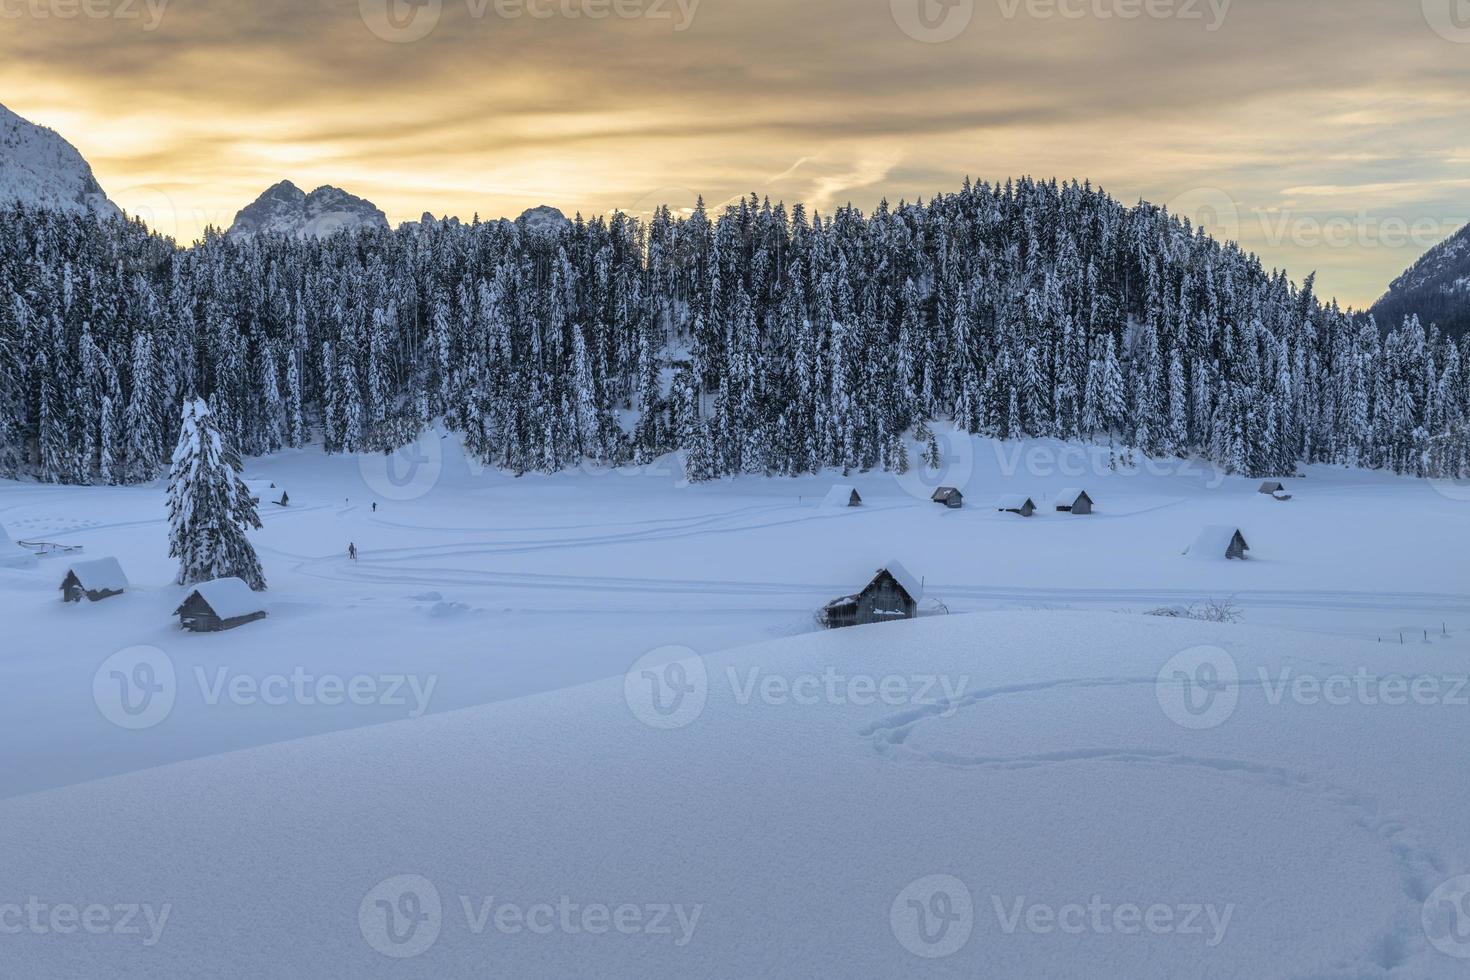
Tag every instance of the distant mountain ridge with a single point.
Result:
(286, 209)
(39, 167)
(1436, 289)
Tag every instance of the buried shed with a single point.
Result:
(1016, 504)
(223, 604)
(1074, 500)
(266, 492)
(93, 581)
(842, 496)
(1271, 488)
(1217, 542)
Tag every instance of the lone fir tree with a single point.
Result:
(209, 507)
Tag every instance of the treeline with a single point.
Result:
(760, 341)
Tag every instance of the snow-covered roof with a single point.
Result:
(1014, 501)
(230, 598)
(265, 490)
(1070, 496)
(839, 496)
(1213, 542)
(100, 575)
(911, 583)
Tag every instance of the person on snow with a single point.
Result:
(352, 552)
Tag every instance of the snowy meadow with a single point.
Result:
(587, 723)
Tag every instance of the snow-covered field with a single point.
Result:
(1055, 786)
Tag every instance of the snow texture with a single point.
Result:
(13, 555)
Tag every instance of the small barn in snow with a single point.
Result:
(842, 496)
(949, 497)
(1218, 542)
(1016, 504)
(93, 581)
(220, 605)
(1272, 488)
(893, 594)
(1074, 500)
(266, 492)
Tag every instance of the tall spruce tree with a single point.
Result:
(209, 506)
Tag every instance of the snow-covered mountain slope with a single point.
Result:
(1020, 795)
(285, 209)
(39, 167)
(1436, 288)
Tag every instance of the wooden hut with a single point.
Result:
(1074, 500)
(93, 581)
(1272, 488)
(1218, 542)
(1016, 504)
(894, 594)
(266, 492)
(842, 496)
(949, 497)
(220, 605)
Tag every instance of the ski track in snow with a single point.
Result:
(1420, 868)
